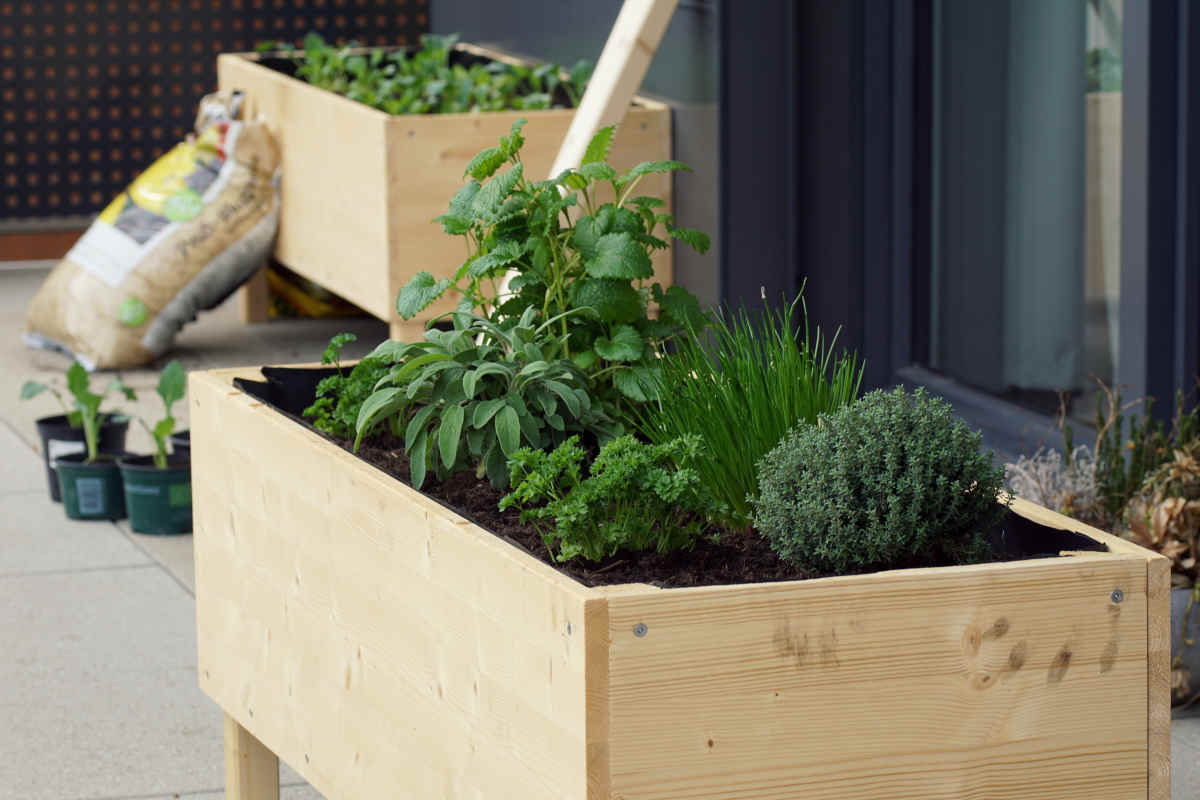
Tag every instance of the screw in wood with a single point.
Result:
(1117, 595)
(639, 629)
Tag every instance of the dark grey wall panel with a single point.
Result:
(684, 74)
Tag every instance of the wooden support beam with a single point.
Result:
(251, 770)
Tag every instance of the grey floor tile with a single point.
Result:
(174, 553)
(36, 536)
(21, 468)
(302, 792)
(1185, 756)
(98, 688)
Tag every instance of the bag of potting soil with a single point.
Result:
(184, 235)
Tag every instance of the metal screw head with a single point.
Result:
(1117, 595)
(639, 629)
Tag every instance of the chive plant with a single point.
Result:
(740, 388)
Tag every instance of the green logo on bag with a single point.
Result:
(132, 312)
(183, 205)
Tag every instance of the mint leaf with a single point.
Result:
(681, 307)
(697, 240)
(419, 293)
(595, 171)
(613, 300)
(502, 256)
(598, 147)
(493, 194)
(647, 167)
(625, 345)
(617, 255)
(485, 164)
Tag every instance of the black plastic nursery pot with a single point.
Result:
(91, 491)
(60, 439)
(159, 501)
(181, 443)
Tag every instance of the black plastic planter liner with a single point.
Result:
(159, 501)
(1015, 538)
(181, 443)
(91, 491)
(60, 439)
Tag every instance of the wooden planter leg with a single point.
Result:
(251, 770)
(254, 297)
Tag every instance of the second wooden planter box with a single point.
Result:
(386, 647)
(361, 187)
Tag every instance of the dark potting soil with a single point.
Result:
(737, 557)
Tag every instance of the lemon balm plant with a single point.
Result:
(570, 251)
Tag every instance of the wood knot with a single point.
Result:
(1060, 664)
(1108, 659)
(998, 629)
(1018, 654)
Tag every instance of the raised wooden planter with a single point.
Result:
(385, 647)
(361, 187)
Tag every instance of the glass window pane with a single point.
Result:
(1026, 144)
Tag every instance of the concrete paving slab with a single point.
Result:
(1185, 755)
(299, 792)
(98, 688)
(174, 553)
(20, 467)
(37, 537)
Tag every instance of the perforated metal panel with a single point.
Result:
(91, 91)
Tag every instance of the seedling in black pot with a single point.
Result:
(158, 487)
(88, 481)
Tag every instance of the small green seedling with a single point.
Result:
(172, 384)
(86, 413)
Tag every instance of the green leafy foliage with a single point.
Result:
(172, 385)
(472, 396)
(637, 497)
(893, 480)
(86, 411)
(570, 252)
(432, 80)
(741, 389)
(339, 397)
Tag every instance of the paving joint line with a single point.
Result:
(154, 562)
(75, 571)
(181, 795)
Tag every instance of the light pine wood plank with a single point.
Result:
(251, 770)
(623, 62)
(994, 681)
(361, 187)
(333, 194)
(254, 298)
(382, 648)
(1158, 656)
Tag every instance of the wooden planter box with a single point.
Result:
(361, 187)
(385, 647)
